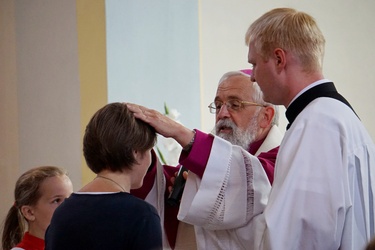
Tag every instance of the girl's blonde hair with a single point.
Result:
(27, 192)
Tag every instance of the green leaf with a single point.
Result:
(161, 156)
(166, 110)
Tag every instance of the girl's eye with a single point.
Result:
(56, 200)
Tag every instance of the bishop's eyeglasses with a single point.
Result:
(232, 105)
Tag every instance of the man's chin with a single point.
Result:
(226, 136)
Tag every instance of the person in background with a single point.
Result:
(103, 214)
(38, 192)
(243, 119)
(323, 192)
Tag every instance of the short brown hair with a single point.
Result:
(112, 136)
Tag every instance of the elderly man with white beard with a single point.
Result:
(243, 119)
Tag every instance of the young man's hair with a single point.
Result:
(291, 30)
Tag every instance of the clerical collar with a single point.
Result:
(320, 90)
(312, 85)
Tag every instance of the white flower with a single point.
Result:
(173, 114)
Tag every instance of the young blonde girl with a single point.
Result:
(37, 194)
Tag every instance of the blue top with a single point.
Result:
(104, 221)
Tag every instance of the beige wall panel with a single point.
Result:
(92, 64)
(48, 85)
(9, 161)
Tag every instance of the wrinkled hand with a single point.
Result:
(162, 124)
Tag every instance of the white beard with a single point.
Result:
(242, 138)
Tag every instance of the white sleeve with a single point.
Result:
(232, 191)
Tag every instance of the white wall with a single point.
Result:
(347, 25)
(350, 37)
(153, 58)
(153, 55)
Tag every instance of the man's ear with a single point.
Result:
(267, 115)
(280, 58)
(28, 213)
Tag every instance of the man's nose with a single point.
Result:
(223, 112)
(252, 77)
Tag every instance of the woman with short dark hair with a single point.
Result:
(103, 214)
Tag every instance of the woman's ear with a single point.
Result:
(137, 155)
(266, 116)
(28, 213)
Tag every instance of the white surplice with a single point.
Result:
(322, 196)
(323, 192)
(224, 203)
